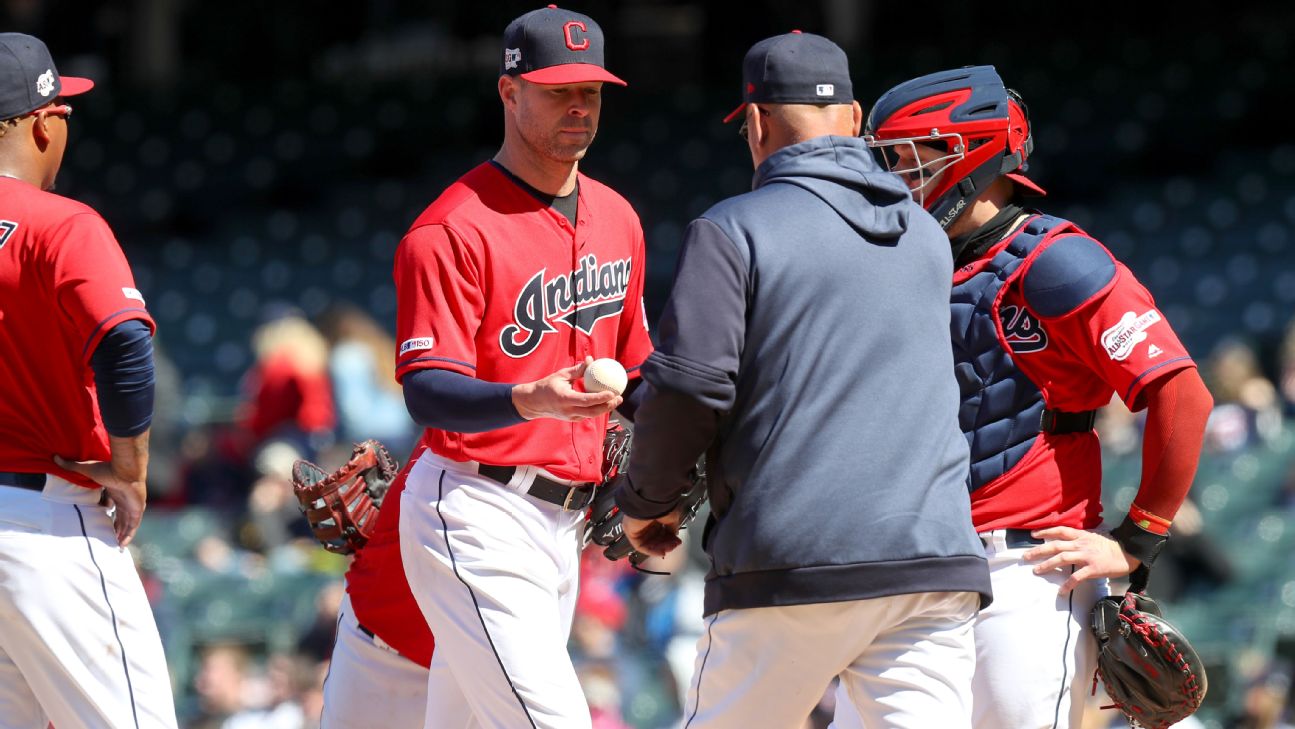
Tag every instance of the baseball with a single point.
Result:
(605, 374)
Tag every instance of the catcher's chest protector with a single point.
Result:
(1001, 407)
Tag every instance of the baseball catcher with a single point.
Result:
(604, 525)
(1150, 671)
(342, 506)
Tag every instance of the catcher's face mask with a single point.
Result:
(920, 161)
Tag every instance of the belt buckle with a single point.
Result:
(571, 494)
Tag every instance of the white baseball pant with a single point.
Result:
(495, 573)
(78, 643)
(369, 684)
(1035, 656)
(904, 661)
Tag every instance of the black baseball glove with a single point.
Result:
(1150, 671)
(342, 506)
(604, 524)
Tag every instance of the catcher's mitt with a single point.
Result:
(1150, 671)
(342, 506)
(604, 525)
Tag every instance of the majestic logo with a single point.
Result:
(45, 83)
(575, 43)
(578, 299)
(410, 345)
(512, 57)
(7, 227)
(1024, 333)
(1131, 329)
(132, 293)
(1154, 351)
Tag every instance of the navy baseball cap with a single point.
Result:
(794, 68)
(28, 78)
(555, 46)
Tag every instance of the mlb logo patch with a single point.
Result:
(825, 89)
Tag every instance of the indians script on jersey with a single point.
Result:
(577, 299)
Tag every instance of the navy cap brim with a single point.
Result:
(73, 85)
(571, 73)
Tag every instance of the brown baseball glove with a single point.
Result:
(1151, 672)
(342, 506)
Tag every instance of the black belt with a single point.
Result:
(1016, 539)
(545, 489)
(30, 481)
(1059, 423)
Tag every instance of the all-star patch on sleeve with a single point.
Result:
(1124, 338)
(440, 301)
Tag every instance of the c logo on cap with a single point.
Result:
(572, 43)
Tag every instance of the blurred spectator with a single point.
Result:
(1246, 409)
(288, 396)
(233, 693)
(316, 643)
(1286, 369)
(362, 365)
(270, 700)
(273, 514)
(166, 432)
(218, 684)
(213, 468)
(599, 683)
(1266, 701)
(1192, 564)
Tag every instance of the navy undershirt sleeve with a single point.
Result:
(123, 378)
(454, 402)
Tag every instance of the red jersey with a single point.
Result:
(494, 284)
(1116, 342)
(64, 283)
(376, 582)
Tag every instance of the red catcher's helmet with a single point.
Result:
(973, 128)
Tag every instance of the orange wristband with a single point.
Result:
(1147, 520)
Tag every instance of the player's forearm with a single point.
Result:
(457, 403)
(1171, 446)
(130, 458)
(671, 432)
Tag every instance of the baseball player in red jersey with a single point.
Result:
(78, 644)
(517, 275)
(379, 669)
(1046, 326)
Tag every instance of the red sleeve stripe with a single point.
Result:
(1138, 380)
(113, 318)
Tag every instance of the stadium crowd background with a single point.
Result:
(259, 162)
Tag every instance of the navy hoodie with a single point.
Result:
(806, 344)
